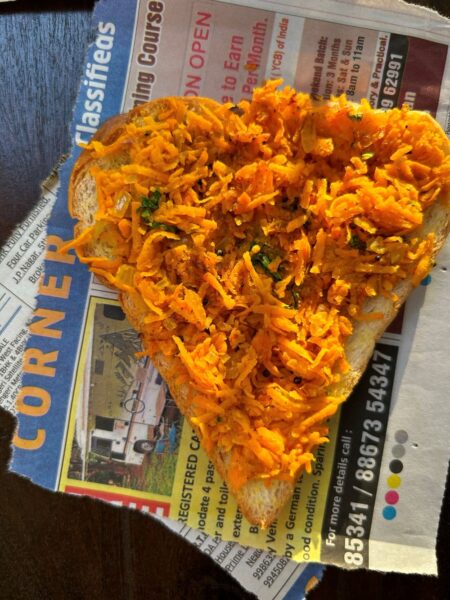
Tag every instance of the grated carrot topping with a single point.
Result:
(262, 232)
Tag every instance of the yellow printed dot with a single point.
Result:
(394, 481)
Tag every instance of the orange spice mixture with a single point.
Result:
(253, 235)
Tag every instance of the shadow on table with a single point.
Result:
(55, 546)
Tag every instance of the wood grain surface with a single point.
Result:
(54, 546)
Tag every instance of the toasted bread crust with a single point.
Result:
(259, 501)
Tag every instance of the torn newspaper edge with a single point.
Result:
(108, 427)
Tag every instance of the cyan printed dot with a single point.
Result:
(389, 513)
(426, 281)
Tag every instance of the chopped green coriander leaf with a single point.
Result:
(295, 298)
(149, 204)
(163, 226)
(264, 261)
(356, 242)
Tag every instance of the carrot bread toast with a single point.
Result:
(260, 250)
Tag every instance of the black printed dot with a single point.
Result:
(396, 466)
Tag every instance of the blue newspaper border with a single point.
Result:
(59, 315)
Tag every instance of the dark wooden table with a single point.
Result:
(54, 546)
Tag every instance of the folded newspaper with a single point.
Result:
(95, 420)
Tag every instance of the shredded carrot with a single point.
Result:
(263, 231)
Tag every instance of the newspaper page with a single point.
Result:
(21, 265)
(95, 420)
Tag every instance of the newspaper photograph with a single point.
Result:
(95, 417)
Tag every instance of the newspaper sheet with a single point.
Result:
(95, 420)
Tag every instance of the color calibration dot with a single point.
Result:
(394, 481)
(401, 436)
(395, 466)
(398, 451)
(389, 513)
(392, 497)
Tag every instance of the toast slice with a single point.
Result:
(260, 250)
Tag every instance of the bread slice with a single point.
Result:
(260, 500)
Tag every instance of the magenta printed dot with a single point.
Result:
(392, 497)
